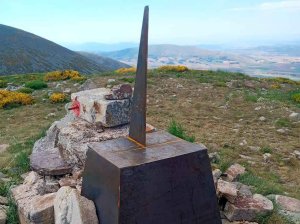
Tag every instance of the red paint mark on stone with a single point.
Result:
(75, 107)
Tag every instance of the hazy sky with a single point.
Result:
(173, 21)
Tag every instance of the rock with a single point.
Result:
(267, 157)
(67, 91)
(150, 128)
(51, 185)
(234, 171)
(244, 142)
(3, 201)
(3, 148)
(95, 108)
(282, 130)
(214, 157)
(2, 175)
(248, 208)
(120, 92)
(51, 115)
(257, 108)
(243, 190)
(227, 190)
(49, 162)
(216, 175)
(249, 84)
(77, 174)
(254, 148)
(12, 87)
(110, 81)
(88, 84)
(58, 85)
(297, 154)
(31, 178)
(288, 207)
(70, 207)
(288, 203)
(67, 181)
(3, 216)
(262, 118)
(294, 116)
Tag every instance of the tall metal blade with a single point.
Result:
(137, 129)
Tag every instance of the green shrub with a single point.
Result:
(36, 84)
(25, 90)
(266, 150)
(130, 80)
(296, 97)
(283, 122)
(3, 84)
(177, 130)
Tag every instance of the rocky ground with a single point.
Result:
(240, 119)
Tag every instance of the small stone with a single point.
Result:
(3, 148)
(244, 142)
(245, 157)
(179, 86)
(67, 91)
(77, 174)
(214, 157)
(282, 131)
(267, 157)
(150, 128)
(51, 185)
(254, 148)
(262, 118)
(295, 116)
(248, 208)
(257, 108)
(51, 115)
(71, 207)
(234, 171)
(67, 181)
(3, 201)
(297, 154)
(58, 85)
(120, 92)
(227, 190)
(76, 84)
(109, 81)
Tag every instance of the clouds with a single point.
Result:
(276, 5)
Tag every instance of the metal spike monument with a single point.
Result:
(149, 178)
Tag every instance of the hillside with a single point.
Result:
(23, 52)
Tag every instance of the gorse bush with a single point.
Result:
(9, 98)
(281, 80)
(25, 90)
(36, 84)
(122, 71)
(3, 84)
(177, 130)
(58, 98)
(173, 68)
(63, 75)
(296, 97)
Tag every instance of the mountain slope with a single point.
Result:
(104, 62)
(23, 52)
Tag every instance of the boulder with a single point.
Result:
(248, 208)
(295, 116)
(288, 207)
(227, 190)
(234, 171)
(120, 92)
(94, 108)
(3, 216)
(71, 207)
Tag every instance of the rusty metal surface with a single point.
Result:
(169, 182)
(137, 130)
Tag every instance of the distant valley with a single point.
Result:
(259, 61)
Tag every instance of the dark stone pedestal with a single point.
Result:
(169, 182)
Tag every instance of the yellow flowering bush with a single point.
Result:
(275, 86)
(281, 80)
(57, 98)
(8, 98)
(122, 71)
(173, 68)
(63, 75)
(296, 97)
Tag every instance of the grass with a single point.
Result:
(261, 186)
(283, 122)
(176, 129)
(266, 149)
